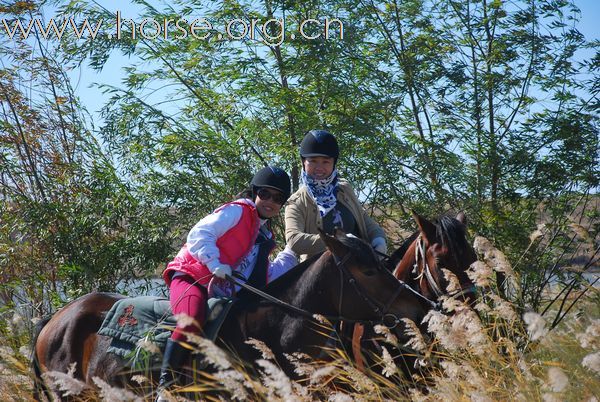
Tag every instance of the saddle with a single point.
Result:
(149, 318)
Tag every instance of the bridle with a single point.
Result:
(380, 309)
(425, 274)
(377, 307)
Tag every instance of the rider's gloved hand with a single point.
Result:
(221, 270)
(379, 244)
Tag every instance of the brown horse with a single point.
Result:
(345, 283)
(436, 246)
(418, 262)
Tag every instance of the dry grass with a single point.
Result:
(489, 353)
(15, 380)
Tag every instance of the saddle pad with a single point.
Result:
(132, 319)
(150, 317)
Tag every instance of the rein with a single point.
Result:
(377, 307)
(291, 307)
(388, 319)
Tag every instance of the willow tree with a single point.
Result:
(69, 223)
(494, 106)
(438, 104)
(194, 117)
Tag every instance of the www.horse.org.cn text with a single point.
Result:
(272, 32)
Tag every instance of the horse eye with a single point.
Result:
(369, 272)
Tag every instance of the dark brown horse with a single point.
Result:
(346, 282)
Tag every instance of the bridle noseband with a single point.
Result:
(421, 255)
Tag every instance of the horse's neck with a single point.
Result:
(310, 290)
(405, 266)
(406, 272)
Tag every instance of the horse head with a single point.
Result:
(367, 291)
(437, 246)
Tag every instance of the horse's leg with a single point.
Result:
(39, 386)
(279, 332)
(104, 365)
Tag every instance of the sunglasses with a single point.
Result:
(266, 195)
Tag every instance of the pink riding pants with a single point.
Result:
(190, 299)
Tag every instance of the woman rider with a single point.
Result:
(234, 237)
(325, 201)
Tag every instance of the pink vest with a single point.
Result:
(233, 246)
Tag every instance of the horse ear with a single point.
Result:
(462, 218)
(428, 230)
(332, 243)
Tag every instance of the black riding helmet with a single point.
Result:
(272, 177)
(319, 143)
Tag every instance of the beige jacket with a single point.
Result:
(302, 219)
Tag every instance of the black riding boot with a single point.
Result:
(174, 358)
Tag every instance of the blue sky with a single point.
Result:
(93, 99)
(590, 13)
(85, 79)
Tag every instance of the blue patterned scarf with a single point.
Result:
(322, 191)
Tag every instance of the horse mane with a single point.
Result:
(284, 280)
(453, 235)
(398, 254)
(362, 253)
